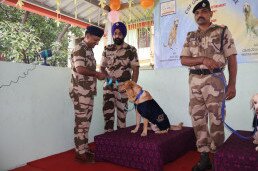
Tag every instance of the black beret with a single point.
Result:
(94, 31)
(202, 4)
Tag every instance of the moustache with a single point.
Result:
(201, 18)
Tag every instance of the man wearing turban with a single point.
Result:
(83, 90)
(119, 63)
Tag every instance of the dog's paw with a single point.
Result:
(157, 132)
(256, 148)
(143, 134)
(255, 141)
(134, 131)
(161, 132)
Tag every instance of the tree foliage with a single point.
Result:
(19, 42)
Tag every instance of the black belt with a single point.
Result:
(204, 71)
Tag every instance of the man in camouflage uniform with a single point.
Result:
(83, 89)
(119, 63)
(206, 52)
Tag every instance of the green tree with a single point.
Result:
(45, 31)
(19, 42)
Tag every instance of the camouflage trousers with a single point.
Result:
(83, 107)
(114, 100)
(206, 96)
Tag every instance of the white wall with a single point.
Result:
(36, 114)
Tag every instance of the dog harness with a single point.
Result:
(153, 112)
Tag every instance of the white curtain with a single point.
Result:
(132, 39)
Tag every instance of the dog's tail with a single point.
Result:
(177, 127)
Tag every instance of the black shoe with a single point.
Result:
(90, 157)
(203, 164)
(85, 158)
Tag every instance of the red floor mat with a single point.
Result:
(184, 163)
(65, 162)
(27, 168)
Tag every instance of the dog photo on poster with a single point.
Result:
(175, 19)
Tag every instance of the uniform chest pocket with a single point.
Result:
(194, 47)
(90, 62)
(123, 60)
(216, 44)
(110, 57)
(110, 61)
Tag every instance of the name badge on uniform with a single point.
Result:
(110, 54)
(192, 39)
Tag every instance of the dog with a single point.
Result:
(173, 34)
(147, 108)
(250, 20)
(254, 106)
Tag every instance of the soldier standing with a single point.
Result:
(83, 89)
(119, 63)
(206, 52)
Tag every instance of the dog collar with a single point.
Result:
(138, 95)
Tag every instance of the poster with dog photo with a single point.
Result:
(170, 30)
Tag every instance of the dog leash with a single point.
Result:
(109, 83)
(223, 113)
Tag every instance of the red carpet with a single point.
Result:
(65, 162)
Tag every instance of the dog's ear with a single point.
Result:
(130, 84)
(121, 87)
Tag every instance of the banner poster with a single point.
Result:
(173, 19)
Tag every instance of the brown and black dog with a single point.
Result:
(147, 108)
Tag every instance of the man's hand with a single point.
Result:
(100, 75)
(232, 70)
(210, 63)
(230, 92)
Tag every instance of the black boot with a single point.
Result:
(203, 164)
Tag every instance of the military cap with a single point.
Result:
(94, 31)
(202, 4)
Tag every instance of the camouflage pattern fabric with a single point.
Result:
(82, 91)
(83, 106)
(118, 64)
(207, 91)
(208, 44)
(114, 100)
(206, 95)
(82, 56)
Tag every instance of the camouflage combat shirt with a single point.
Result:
(208, 44)
(119, 62)
(82, 56)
